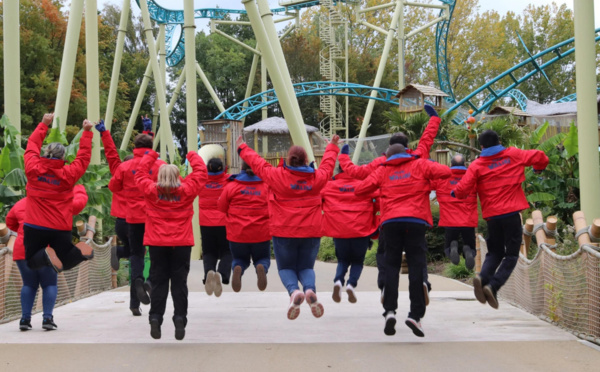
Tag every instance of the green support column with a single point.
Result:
(136, 106)
(401, 44)
(264, 112)
(250, 84)
(209, 87)
(12, 64)
(587, 110)
(67, 68)
(163, 74)
(92, 73)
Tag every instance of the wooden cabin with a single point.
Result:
(522, 116)
(224, 133)
(413, 97)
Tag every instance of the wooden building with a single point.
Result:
(413, 97)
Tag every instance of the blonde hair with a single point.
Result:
(168, 181)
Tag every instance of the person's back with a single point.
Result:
(210, 215)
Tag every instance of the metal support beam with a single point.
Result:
(264, 112)
(376, 28)
(12, 64)
(209, 87)
(250, 84)
(114, 80)
(92, 73)
(163, 73)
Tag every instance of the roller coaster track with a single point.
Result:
(441, 44)
(570, 97)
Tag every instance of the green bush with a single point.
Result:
(370, 259)
(459, 271)
(327, 250)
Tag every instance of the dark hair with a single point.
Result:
(247, 169)
(142, 141)
(488, 138)
(400, 138)
(128, 157)
(296, 156)
(457, 161)
(394, 149)
(215, 165)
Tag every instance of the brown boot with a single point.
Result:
(53, 259)
(86, 251)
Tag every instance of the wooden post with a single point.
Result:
(478, 260)
(3, 230)
(551, 226)
(538, 219)
(595, 229)
(527, 238)
(114, 283)
(580, 223)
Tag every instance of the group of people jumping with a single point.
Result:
(290, 206)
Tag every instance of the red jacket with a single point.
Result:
(169, 222)
(295, 202)
(497, 176)
(16, 217)
(346, 215)
(455, 212)
(118, 207)
(209, 194)
(245, 203)
(404, 183)
(123, 181)
(422, 151)
(50, 182)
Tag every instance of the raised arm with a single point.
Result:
(359, 172)
(429, 134)
(142, 175)
(259, 165)
(77, 168)
(35, 141)
(195, 180)
(325, 170)
(110, 149)
(116, 182)
(535, 158)
(370, 184)
(80, 199)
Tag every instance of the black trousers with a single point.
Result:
(137, 251)
(169, 264)
(408, 238)
(503, 244)
(215, 248)
(122, 231)
(36, 240)
(380, 259)
(454, 233)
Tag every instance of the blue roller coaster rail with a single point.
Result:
(571, 97)
(441, 44)
(515, 94)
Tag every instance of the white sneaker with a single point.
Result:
(415, 327)
(209, 283)
(351, 294)
(296, 299)
(337, 291)
(217, 284)
(390, 323)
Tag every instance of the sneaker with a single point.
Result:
(86, 251)
(337, 291)
(490, 296)
(141, 291)
(217, 284)
(315, 306)
(351, 294)
(415, 327)
(148, 287)
(478, 289)
(209, 283)
(114, 259)
(390, 324)
(53, 259)
(469, 259)
(261, 273)
(136, 311)
(48, 324)
(236, 280)
(426, 293)
(25, 324)
(179, 328)
(454, 256)
(155, 329)
(296, 299)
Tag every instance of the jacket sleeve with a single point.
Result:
(359, 172)
(116, 182)
(325, 170)
(110, 151)
(535, 158)
(195, 180)
(427, 138)
(370, 184)
(34, 146)
(437, 171)
(80, 199)
(259, 166)
(77, 168)
(12, 220)
(142, 175)
(225, 198)
(467, 184)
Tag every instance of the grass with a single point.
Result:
(459, 271)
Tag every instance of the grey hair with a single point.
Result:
(457, 161)
(55, 150)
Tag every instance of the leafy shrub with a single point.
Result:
(370, 259)
(459, 271)
(327, 250)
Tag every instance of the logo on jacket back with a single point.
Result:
(399, 175)
(498, 163)
(49, 179)
(249, 190)
(300, 185)
(214, 185)
(455, 180)
(347, 188)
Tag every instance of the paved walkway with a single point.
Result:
(249, 331)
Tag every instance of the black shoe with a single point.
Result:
(179, 328)
(155, 329)
(114, 259)
(136, 311)
(390, 324)
(469, 259)
(48, 324)
(478, 289)
(236, 280)
(490, 296)
(25, 324)
(454, 256)
(148, 287)
(141, 291)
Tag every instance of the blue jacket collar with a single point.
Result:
(399, 156)
(215, 173)
(459, 167)
(244, 177)
(303, 169)
(491, 151)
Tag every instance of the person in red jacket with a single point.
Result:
(245, 203)
(216, 255)
(350, 221)
(404, 183)
(123, 181)
(45, 277)
(48, 213)
(295, 217)
(169, 234)
(458, 217)
(497, 176)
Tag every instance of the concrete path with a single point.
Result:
(249, 331)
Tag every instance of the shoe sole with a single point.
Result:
(114, 259)
(86, 251)
(478, 289)
(390, 327)
(426, 294)
(49, 327)
(218, 285)
(148, 288)
(236, 279)
(337, 294)
(209, 285)
(416, 331)
(262, 277)
(351, 296)
(136, 312)
(141, 293)
(316, 308)
(179, 329)
(294, 309)
(454, 256)
(489, 296)
(155, 329)
(55, 262)
(25, 328)
(469, 259)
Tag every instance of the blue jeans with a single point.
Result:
(243, 252)
(296, 261)
(350, 253)
(46, 278)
